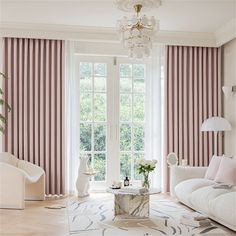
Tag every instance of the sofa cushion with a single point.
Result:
(227, 171)
(185, 188)
(224, 208)
(200, 198)
(213, 167)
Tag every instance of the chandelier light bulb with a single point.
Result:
(125, 21)
(145, 40)
(153, 21)
(144, 20)
(135, 32)
(134, 20)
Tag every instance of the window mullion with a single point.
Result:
(92, 124)
(132, 129)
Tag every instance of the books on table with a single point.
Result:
(195, 219)
(195, 216)
(195, 223)
(222, 186)
(132, 189)
(55, 206)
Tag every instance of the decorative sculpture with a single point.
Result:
(82, 183)
(84, 174)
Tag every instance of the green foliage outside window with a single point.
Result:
(93, 108)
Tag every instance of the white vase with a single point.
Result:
(82, 183)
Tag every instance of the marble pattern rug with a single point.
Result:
(96, 218)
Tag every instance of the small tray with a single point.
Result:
(115, 187)
(89, 173)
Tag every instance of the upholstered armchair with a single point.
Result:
(19, 181)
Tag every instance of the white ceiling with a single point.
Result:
(174, 15)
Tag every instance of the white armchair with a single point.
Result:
(19, 180)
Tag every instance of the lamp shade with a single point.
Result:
(216, 123)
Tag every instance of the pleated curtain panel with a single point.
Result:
(35, 91)
(192, 94)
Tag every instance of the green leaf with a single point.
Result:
(2, 102)
(3, 75)
(2, 130)
(3, 119)
(8, 107)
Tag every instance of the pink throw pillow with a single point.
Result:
(227, 171)
(213, 167)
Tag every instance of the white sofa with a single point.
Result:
(190, 187)
(19, 181)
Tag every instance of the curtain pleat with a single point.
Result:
(35, 91)
(192, 94)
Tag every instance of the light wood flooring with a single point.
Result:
(36, 220)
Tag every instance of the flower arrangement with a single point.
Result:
(145, 167)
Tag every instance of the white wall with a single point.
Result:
(229, 78)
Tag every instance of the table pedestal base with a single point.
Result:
(132, 205)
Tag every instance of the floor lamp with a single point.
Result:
(216, 124)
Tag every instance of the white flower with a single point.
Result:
(146, 166)
(154, 161)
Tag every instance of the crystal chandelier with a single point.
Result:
(137, 33)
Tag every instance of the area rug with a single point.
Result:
(96, 218)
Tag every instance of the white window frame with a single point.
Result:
(113, 121)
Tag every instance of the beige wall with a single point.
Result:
(229, 78)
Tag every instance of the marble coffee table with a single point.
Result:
(132, 205)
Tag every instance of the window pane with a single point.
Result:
(100, 167)
(86, 107)
(85, 84)
(85, 69)
(100, 69)
(137, 157)
(99, 137)
(125, 165)
(125, 70)
(85, 137)
(138, 137)
(125, 137)
(100, 84)
(125, 85)
(99, 107)
(139, 86)
(138, 108)
(125, 107)
(138, 71)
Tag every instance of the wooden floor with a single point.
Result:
(36, 220)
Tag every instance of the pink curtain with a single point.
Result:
(192, 94)
(35, 91)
